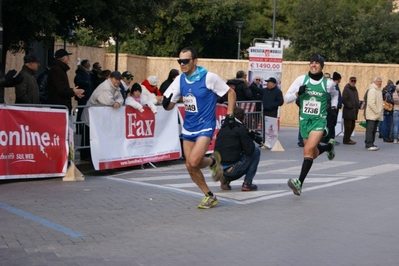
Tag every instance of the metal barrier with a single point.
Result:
(81, 132)
(254, 119)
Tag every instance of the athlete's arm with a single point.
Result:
(175, 89)
(231, 101)
(291, 94)
(333, 92)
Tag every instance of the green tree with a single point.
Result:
(342, 30)
(27, 21)
(207, 25)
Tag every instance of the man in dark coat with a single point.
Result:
(28, 91)
(350, 100)
(95, 75)
(83, 81)
(59, 91)
(272, 98)
(243, 92)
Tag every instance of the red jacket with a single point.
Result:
(151, 89)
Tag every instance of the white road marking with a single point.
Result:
(258, 182)
(238, 197)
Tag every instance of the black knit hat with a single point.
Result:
(317, 58)
(136, 87)
(336, 76)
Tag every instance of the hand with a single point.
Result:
(332, 112)
(166, 101)
(10, 74)
(116, 105)
(18, 79)
(301, 90)
(79, 92)
(159, 99)
(229, 121)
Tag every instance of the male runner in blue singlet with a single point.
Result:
(199, 89)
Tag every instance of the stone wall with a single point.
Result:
(142, 67)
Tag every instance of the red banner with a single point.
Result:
(33, 142)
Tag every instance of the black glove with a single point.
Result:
(18, 79)
(10, 74)
(166, 101)
(332, 112)
(301, 90)
(229, 121)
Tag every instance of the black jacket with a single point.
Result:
(232, 143)
(243, 92)
(272, 99)
(84, 81)
(28, 90)
(59, 91)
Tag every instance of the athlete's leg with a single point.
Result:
(310, 152)
(195, 160)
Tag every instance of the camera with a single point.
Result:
(255, 136)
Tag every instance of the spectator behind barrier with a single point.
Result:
(150, 89)
(136, 100)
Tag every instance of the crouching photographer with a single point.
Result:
(240, 156)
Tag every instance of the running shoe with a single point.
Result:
(216, 169)
(208, 202)
(331, 153)
(295, 185)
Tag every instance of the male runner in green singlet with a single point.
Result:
(312, 90)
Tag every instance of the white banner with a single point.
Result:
(271, 131)
(122, 137)
(265, 63)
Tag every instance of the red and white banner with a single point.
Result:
(220, 113)
(123, 137)
(265, 62)
(33, 142)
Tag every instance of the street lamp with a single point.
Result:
(274, 22)
(239, 25)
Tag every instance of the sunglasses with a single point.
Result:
(183, 61)
(257, 79)
(354, 81)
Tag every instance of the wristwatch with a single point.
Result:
(230, 116)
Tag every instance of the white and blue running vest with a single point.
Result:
(200, 106)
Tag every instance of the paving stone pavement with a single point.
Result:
(347, 214)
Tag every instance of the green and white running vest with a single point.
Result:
(314, 100)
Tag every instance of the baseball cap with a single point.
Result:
(116, 74)
(127, 74)
(272, 80)
(61, 53)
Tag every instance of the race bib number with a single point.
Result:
(190, 104)
(311, 107)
